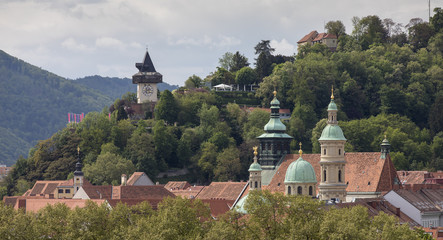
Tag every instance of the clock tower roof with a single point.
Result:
(146, 65)
(147, 72)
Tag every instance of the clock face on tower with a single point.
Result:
(147, 90)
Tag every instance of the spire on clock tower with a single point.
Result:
(146, 80)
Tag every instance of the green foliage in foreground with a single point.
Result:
(272, 216)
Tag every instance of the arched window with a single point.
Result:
(310, 190)
(299, 190)
(256, 185)
(289, 190)
(339, 151)
(339, 175)
(324, 175)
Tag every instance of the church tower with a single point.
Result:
(146, 80)
(78, 174)
(255, 173)
(332, 162)
(274, 143)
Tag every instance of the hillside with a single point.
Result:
(115, 87)
(35, 103)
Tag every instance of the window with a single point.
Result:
(289, 190)
(68, 191)
(60, 191)
(324, 151)
(256, 185)
(339, 175)
(324, 175)
(299, 190)
(339, 151)
(310, 190)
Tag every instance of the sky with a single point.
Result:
(78, 38)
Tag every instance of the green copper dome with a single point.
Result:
(274, 124)
(275, 102)
(254, 167)
(300, 171)
(240, 206)
(332, 105)
(332, 132)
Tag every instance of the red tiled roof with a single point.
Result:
(412, 177)
(190, 192)
(142, 192)
(364, 172)
(131, 202)
(134, 177)
(310, 36)
(176, 185)
(222, 190)
(319, 37)
(48, 187)
(218, 206)
(98, 192)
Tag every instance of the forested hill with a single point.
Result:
(35, 103)
(116, 87)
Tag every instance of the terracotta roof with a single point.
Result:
(35, 204)
(134, 177)
(412, 177)
(175, 185)
(319, 37)
(142, 192)
(309, 36)
(218, 206)
(131, 202)
(190, 192)
(222, 190)
(364, 172)
(425, 200)
(48, 187)
(98, 192)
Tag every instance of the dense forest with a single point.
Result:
(270, 216)
(388, 80)
(35, 103)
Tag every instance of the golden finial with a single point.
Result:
(332, 92)
(300, 151)
(255, 150)
(275, 93)
(78, 150)
(385, 136)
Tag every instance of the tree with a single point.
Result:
(108, 169)
(167, 108)
(369, 30)
(419, 33)
(165, 146)
(226, 61)
(264, 47)
(246, 76)
(263, 66)
(437, 19)
(193, 82)
(239, 61)
(228, 165)
(140, 150)
(336, 27)
(436, 115)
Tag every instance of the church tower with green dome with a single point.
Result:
(300, 178)
(255, 173)
(332, 162)
(274, 143)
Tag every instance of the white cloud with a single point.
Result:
(109, 42)
(283, 47)
(72, 44)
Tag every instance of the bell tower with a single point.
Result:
(146, 80)
(78, 174)
(332, 161)
(255, 173)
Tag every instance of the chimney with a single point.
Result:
(124, 180)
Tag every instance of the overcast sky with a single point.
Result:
(77, 38)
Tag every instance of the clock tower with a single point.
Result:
(146, 80)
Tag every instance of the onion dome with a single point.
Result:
(332, 132)
(255, 166)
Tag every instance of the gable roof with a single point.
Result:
(222, 190)
(412, 177)
(309, 36)
(98, 192)
(364, 172)
(48, 187)
(35, 204)
(190, 192)
(141, 192)
(136, 176)
(425, 200)
(176, 185)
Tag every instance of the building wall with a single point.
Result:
(143, 181)
(142, 97)
(350, 196)
(64, 192)
(81, 194)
